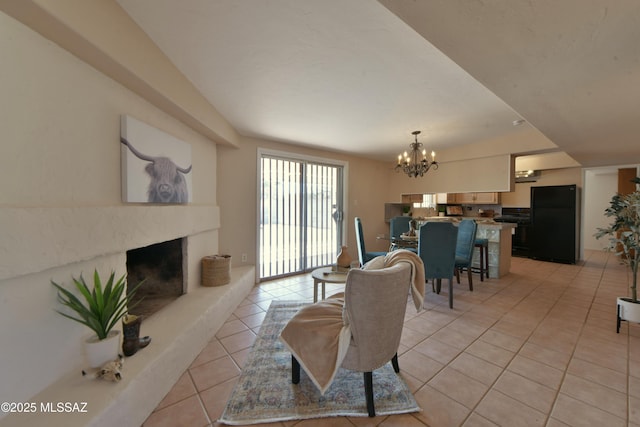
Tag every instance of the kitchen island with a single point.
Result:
(499, 236)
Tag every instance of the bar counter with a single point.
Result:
(499, 236)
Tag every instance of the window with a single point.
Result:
(300, 217)
(428, 201)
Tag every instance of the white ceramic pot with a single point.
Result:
(629, 311)
(99, 352)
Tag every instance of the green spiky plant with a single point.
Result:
(103, 306)
(624, 232)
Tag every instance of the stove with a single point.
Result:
(516, 215)
(520, 237)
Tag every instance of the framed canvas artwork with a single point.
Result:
(156, 166)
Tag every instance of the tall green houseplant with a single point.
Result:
(624, 232)
(100, 308)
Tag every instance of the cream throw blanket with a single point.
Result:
(417, 273)
(318, 335)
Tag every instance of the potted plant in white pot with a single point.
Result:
(624, 239)
(99, 309)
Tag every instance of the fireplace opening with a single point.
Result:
(161, 267)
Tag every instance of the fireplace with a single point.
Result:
(161, 269)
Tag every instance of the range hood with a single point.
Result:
(527, 176)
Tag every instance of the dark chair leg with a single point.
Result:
(438, 285)
(368, 392)
(486, 261)
(618, 319)
(457, 270)
(295, 370)
(450, 293)
(470, 279)
(394, 362)
(481, 263)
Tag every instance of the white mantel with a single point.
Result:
(65, 235)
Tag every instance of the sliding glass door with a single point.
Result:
(300, 217)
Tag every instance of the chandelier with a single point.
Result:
(416, 163)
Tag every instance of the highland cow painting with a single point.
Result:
(156, 167)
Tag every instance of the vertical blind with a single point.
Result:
(300, 215)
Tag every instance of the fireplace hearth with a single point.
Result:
(160, 268)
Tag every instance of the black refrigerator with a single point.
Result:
(554, 223)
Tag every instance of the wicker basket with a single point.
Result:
(216, 270)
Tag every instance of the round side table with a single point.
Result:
(325, 275)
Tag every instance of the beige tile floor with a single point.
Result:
(537, 347)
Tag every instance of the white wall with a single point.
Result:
(367, 189)
(602, 184)
(489, 174)
(371, 185)
(60, 205)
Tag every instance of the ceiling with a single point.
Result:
(359, 76)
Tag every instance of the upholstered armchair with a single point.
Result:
(359, 330)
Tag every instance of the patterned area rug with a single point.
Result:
(264, 392)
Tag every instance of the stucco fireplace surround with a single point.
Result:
(65, 242)
(62, 215)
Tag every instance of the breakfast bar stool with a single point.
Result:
(483, 245)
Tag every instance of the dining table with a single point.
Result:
(405, 242)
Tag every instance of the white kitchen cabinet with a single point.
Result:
(444, 198)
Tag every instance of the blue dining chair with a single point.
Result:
(363, 255)
(437, 250)
(397, 226)
(464, 248)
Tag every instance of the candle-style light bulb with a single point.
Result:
(433, 156)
